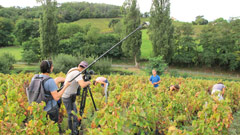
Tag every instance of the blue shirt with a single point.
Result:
(154, 79)
(51, 86)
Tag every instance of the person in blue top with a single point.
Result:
(51, 107)
(154, 79)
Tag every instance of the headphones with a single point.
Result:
(49, 66)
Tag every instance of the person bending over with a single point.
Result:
(104, 83)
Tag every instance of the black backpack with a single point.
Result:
(36, 92)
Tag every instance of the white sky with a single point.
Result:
(182, 10)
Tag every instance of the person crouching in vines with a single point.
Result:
(217, 89)
(104, 83)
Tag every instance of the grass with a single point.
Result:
(101, 23)
(14, 50)
(25, 68)
(128, 71)
(146, 48)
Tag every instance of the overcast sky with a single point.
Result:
(182, 10)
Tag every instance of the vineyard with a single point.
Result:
(133, 107)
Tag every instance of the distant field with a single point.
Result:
(146, 48)
(101, 23)
(15, 51)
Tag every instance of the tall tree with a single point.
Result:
(161, 29)
(6, 28)
(48, 28)
(131, 46)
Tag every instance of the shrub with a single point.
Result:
(158, 64)
(29, 56)
(103, 66)
(31, 51)
(6, 62)
(185, 75)
(64, 62)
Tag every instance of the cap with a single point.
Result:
(83, 64)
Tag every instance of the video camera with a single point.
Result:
(87, 75)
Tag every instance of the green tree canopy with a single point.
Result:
(26, 29)
(161, 29)
(48, 29)
(131, 46)
(6, 28)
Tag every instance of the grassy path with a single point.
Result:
(14, 50)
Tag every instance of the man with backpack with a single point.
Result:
(44, 88)
(69, 96)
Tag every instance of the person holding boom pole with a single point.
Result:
(69, 96)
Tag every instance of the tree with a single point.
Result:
(67, 30)
(219, 45)
(185, 47)
(200, 20)
(25, 29)
(146, 14)
(10, 13)
(113, 22)
(161, 29)
(158, 64)
(131, 46)
(6, 28)
(48, 29)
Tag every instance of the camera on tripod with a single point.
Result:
(87, 75)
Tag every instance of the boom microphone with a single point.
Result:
(146, 24)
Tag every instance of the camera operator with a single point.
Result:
(69, 96)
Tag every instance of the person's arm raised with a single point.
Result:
(57, 95)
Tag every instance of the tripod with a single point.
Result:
(83, 101)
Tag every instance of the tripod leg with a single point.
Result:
(83, 102)
(92, 98)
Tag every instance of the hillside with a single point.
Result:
(146, 47)
(102, 24)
